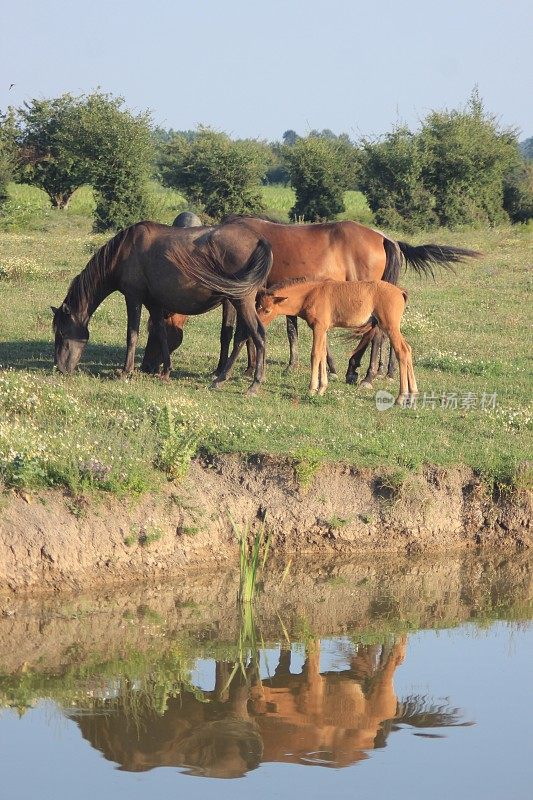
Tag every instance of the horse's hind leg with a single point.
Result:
(226, 334)
(391, 369)
(355, 359)
(160, 329)
(248, 324)
(134, 309)
(330, 362)
(374, 360)
(250, 349)
(292, 334)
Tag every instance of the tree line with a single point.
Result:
(460, 167)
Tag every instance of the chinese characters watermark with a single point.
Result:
(450, 401)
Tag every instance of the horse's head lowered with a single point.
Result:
(267, 305)
(71, 336)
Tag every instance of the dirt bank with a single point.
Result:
(55, 542)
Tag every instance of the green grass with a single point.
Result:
(279, 200)
(469, 333)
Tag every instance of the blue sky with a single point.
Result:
(256, 69)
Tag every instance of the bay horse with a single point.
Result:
(183, 270)
(348, 304)
(341, 251)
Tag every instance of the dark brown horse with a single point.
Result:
(174, 323)
(342, 251)
(184, 270)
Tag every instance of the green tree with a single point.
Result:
(466, 158)
(518, 192)
(49, 134)
(218, 175)
(8, 151)
(391, 178)
(118, 150)
(526, 148)
(318, 176)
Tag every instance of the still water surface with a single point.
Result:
(371, 712)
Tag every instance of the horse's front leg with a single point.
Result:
(323, 369)
(316, 357)
(134, 309)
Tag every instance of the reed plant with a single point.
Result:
(252, 559)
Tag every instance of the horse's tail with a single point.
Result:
(205, 267)
(393, 261)
(425, 258)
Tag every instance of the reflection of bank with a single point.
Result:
(328, 718)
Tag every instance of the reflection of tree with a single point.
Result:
(332, 718)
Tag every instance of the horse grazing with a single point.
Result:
(183, 270)
(350, 304)
(341, 251)
(174, 323)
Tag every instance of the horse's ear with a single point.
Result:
(279, 299)
(65, 308)
(54, 310)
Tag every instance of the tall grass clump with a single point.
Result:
(178, 444)
(252, 559)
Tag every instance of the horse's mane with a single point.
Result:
(84, 286)
(283, 284)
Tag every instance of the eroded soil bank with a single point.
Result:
(55, 542)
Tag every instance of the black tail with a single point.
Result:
(393, 262)
(206, 267)
(425, 258)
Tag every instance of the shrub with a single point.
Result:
(391, 178)
(318, 177)
(466, 155)
(518, 193)
(119, 148)
(218, 175)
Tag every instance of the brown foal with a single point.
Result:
(347, 304)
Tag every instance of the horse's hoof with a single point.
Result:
(249, 373)
(217, 385)
(322, 391)
(391, 378)
(402, 400)
(312, 392)
(351, 379)
(290, 368)
(165, 376)
(333, 376)
(253, 391)
(366, 385)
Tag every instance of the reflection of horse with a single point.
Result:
(185, 270)
(330, 718)
(341, 251)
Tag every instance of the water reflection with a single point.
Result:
(329, 718)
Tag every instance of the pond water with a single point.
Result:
(183, 702)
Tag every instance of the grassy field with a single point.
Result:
(469, 333)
